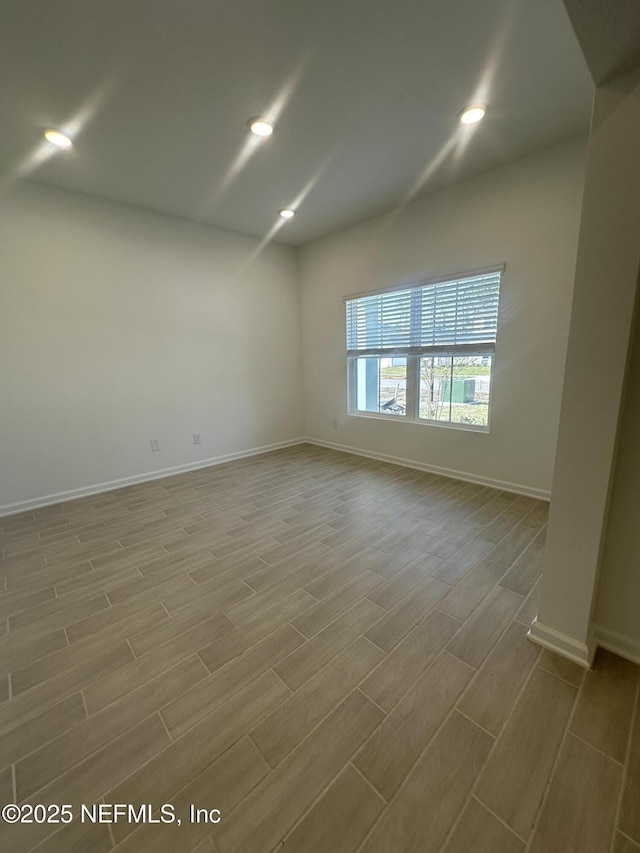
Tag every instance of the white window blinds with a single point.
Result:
(458, 314)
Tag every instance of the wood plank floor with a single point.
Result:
(329, 650)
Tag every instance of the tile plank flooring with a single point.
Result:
(330, 650)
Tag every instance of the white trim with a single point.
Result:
(529, 491)
(562, 644)
(403, 419)
(619, 644)
(110, 485)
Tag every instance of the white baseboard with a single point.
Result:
(562, 644)
(617, 643)
(503, 485)
(110, 485)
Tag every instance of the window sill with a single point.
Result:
(403, 419)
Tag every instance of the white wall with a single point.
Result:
(525, 214)
(618, 604)
(601, 321)
(118, 326)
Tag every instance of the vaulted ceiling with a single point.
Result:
(364, 95)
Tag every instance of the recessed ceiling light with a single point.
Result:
(60, 140)
(260, 127)
(471, 115)
(287, 213)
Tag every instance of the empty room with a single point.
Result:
(319, 418)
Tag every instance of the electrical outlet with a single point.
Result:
(155, 444)
(335, 424)
(196, 438)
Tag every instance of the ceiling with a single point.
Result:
(609, 35)
(365, 96)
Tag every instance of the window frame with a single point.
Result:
(413, 355)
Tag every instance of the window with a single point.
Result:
(424, 353)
